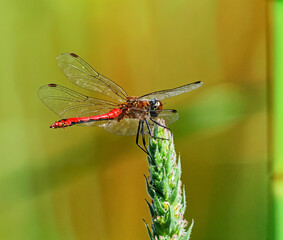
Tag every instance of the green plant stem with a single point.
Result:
(164, 186)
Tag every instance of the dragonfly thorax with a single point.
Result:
(134, 107)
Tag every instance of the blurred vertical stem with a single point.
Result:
(164, 186)
(278, 120)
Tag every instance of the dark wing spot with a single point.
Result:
(52, 85)
(74, 55)
(174, 111)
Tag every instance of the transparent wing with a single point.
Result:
(125, 127)
(83, 75)
(160, 95)
(69, 104)
(102, 123)
(169, 115)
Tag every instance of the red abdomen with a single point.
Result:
(72, 121)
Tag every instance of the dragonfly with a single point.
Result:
(123, 115)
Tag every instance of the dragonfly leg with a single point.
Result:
(150, 133)
(157, 123)
(143, 137)
(137, 138)
(148, 127)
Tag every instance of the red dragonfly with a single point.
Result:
(124, 115)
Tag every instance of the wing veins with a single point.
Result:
(75, 100)
(168, 93)
(78, 106)
(77, 97)
(91, 70)
(71, 92)
(97, 75)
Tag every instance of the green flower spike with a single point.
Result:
(164, 186)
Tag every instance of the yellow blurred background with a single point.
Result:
(84, 183)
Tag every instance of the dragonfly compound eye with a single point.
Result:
(156, 107)
(152, 102)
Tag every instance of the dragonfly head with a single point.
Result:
(155, 107)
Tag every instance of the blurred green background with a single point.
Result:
(84, 183)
